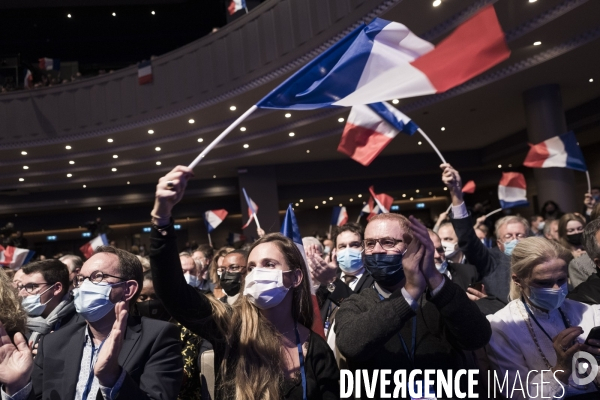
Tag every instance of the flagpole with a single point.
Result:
(256, 219)
(329, 235)
(587, 175)
(432, 145)
(358, 220)
(493, 212)
(209, 240)
(222, 136)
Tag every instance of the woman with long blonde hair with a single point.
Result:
(263, 348)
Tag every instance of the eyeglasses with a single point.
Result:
(96, 277)
(232, 268)
(385, 243)
(31, 287)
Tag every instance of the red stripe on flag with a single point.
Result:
(362, 144)
(469, 187)
(475, 46)
(317, 325)
(538, 153)
(513, 179)
(142, 80)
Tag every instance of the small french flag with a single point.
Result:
(144, 72)
(252, 209)
(89, 248)
(339, 216)
(370, 128)
(512, 190)
(235, 6)
(383, 203)
(213, 218)
(49, 64)
(469, 187)
(15, 257)
(560, 151)
(367, 207)
(235, 238)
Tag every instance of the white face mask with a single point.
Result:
(264, 287)
(191, 280)
(442, 267)
(450, 249)
(33, 304)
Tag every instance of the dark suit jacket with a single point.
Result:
(463, 274)
(341, 292)
(588, 291)
(151, 357)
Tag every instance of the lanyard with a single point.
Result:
(538, 324)
(411, 355)
(90, 380)
(301, 358)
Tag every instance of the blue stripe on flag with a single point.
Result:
(335, 215)
(575, 158)
(248, 201)
(209, 227)
(290, 227)
(388, 116)
(512, 204)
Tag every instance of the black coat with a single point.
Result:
(342, 291)
(588, 291)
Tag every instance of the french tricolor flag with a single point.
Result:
(379, 203)
(370, 128)
(512, 190)
(49, 64)
(235, 6)
(339, 216)
(385, 60)
(560, 151)
(89, 248)
(15, 257)
(144, 72)
(252, 209)
(213, 218)
(469, 187)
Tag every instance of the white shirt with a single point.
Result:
(513, 349)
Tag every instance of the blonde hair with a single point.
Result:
(529, 253)
(510, 219)
(12, 314)
(401, 219)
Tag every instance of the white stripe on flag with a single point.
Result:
(557, 154)
(511, 194)
(212, 219)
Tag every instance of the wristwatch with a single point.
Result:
(331, 287)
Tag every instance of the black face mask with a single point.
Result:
(231, 282)
(575, 239)
(153, 309)
(386, 269)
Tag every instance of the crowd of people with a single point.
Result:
(269, 322)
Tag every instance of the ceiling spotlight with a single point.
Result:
(417, 191)
(360, 195)
(291, 134)
(115, 156)
(331, 198)
(233, 108)
(68, 147)
(446, 188)
(114, 170)
(99, 208)
(532, 1)
(24, 153)
(214, 176)
(403, 194)
(25, 167)
(443, 128)
(114, 14)
(341, 205)
(153, 13)
(324, 202)
(316, 207)
(128, 182)
(297, 204)
(499, 165)
(537, 43)
(84, 186)
(246, 145)
(436, 3)
(591, 80)
(301, 200)
(109, 140)
(68, 15)
(351, 199)
(200, 140)
(395, 101)
(430, 193)
(151, 131)
(21, 179)
(308, 151)
(243, 129)
(509, 165)
(69, 175)
(419, 143)
(71, 162)
(158, 163)
(340, 119)
(157, 148)
(411, 199)
(191, 121)
(288, 115)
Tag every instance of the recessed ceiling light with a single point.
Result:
(115, 156)
(532, 1)
(109, 140)
(360, 195)
(430, 193)
(297, 204)
(419, 143)
(200, 140)
(301, 200)
(316, 207)
(403, 194)
(25, 167)
(128, 182)
(71, 162)
(287, 115)
(84, 186)
(292, 134)
(509, 165)
(537, 43)
(157, 148)
(308, 151)
(153, 13)
(411, 199)
(331, 198)
(68, 147)
(68, 15)
(24, 153)
(191, 121)
(233, 108)
(114, 170)
(21, 179)
(246, 145)
(351, 199)
(341, 205)
(69, 175)
(499, 165)
(341, 119)
(99, 208)
(151, 131)
(443, 128)
(591, 80)
(445, 188)
(158, 163)
(324, 202)
(395, 101)
(214, 176)
(417, 191)
(436, 3)
(243, 129)
(114, 14)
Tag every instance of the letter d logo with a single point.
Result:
(582, 368)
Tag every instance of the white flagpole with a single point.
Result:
(256, 219)
(358, 220)
(329, 234)
(432, 145)
(221, 137)
(209, 240)
(587, 175)
(493, 212)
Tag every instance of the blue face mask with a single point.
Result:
(443, 267)
(92, 301)
(510, 246)
(548, 299)
(386, 269)
(597, 198)
(350, 260)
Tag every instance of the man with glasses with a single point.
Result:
(231, 274)
(44, 289)
(413, 317)
(493, 264)
(104, 353)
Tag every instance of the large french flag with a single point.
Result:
(49, 64)
(370, 128)
(252, 209)
(145, 72)
(235, 6)
(385, 60)
(379, 203)
(89, 248)
(339, 216)
(559, 151)
(15, 257)
(213, 218)
(290, 229)
(512, 190)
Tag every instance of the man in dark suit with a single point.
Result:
(104, 354)
(589, 291)
(461, 274)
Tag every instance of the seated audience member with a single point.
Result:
(449, 240)
(327, 247)
(190, 272)
(16, 279)
(149, 305)
(461, 274)
(216, 263)
(104, 353)
(551, 230)
(588, 291)
(483, 232)
(44, 290)
(310, 241)
(589, 201)
(551, 210)
(231, 274)
(443, 217)
(74, 264)
(262, 346)
(413, 317)
(492, 264)
(570, 230)
(13, 317)
(537, 225)
(540, 330)
(203, 256)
